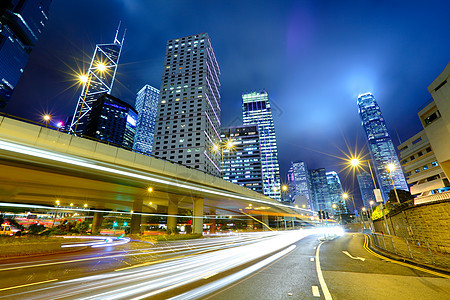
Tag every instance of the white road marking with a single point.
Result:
(349, 255)
(325, 291)
(315, 291)
(311, 259)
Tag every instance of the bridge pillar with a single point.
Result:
(135, 224)
(198, 216)
(212, 228)
(172, 209)
(97, 222)
(265, 220)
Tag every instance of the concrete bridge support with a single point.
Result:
(136, 218)
(212, 228)
(172, 209)
(97, 222)
(265, 220)
(198, 216)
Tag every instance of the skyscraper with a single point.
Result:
(380, 145)
(335, 188)
(242, 163)
(257, 111)
(147, 108)
(366, 187)
(188, 120)
(98, 81)
(320, 191)
(21, 24)
(302, 184)
(112, 120)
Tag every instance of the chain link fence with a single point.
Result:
(417, 250)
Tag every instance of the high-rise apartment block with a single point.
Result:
(241, 163)
(112, 120)
(188, 119)
(147, 108)
(366, 188)
(320, 191)
(380, 145)
(257, 111)
(98, 81)
(300, 181)
(21, 24)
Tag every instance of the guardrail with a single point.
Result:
(416, 250)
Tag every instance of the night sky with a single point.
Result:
(312, 57)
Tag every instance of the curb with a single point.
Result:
(2, 259)
(404, 259)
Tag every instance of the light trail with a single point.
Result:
(139, 282)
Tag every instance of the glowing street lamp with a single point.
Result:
(57, 202)
(284, 188)
(150, 189)
(85, 205)
(46, 118)
(391, 167)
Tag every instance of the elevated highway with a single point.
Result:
(39, 165)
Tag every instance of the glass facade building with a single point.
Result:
(380, 145)
(147, 107)
(257, 111)
(188, 119)
(320, 191)
(21, 24)
(366, 187)
(112, 120)
(99, 80)
(242, 163)
(336, 192)
(301, 182)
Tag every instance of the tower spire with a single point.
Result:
(116, 41)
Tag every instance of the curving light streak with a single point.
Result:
(108, 241)
(17, 148)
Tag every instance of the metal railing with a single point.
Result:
(417, 250)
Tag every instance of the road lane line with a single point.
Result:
(353, 257)
(366, 246)
(28, 284)
(315, 291)
(210, 275)
(323, 285)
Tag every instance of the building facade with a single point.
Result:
(422, 170)
(98, 81)
(188, 119)
(380, 146)
(112, 120)
(147, 107)
(21, 24)
(320, 192)
(366, 188)
(336, 192)
(301, 182)
(435, 118)
(257, 111)
(241, 164)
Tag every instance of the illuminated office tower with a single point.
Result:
(257, 111)
(21, 24)
(366, 187)
(380, 145)
(98, 81)
(241, 163)
(147, 108)
(320, 192)
(188, 120)
(335, 189)
(301, 182)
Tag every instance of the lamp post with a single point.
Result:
(391, 167)
(46, 118)
(356, 162)
(229, 145)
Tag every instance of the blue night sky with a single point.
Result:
(313, 58)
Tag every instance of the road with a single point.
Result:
(269, 265)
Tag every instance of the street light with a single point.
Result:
(150, 189)
(46, 118)
(391, 167)
(229, 145)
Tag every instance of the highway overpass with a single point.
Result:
(39, 165)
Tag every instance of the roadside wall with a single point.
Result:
(424, 223)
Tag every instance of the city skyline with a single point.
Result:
(292, 94)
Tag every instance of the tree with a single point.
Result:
(403, 196)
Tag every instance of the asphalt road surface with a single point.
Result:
(268, 265)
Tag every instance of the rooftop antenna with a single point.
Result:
(116, 41)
